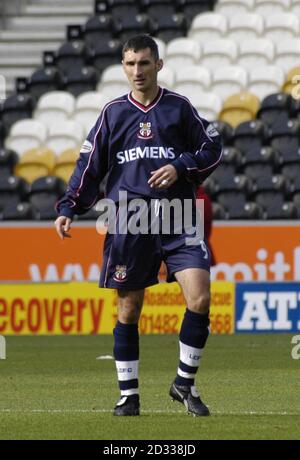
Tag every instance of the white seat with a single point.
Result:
(114, 82)
(166, 77)
(182, 52)
(88, 108)
(55, 105)
(25, 135)
(295, 7)
(229, 80)
(259, 51)
(230, 7)
(161, 47)
(208, 26)
(192, 79)
(207, 104)
(63, 135)
(287, 53)
(245, 26)
(265, 80)
(281, 26)
(218, 53)
(266, 7)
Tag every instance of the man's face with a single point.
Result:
(141, 69)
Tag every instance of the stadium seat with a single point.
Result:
(70, 55)
(237, 206)
(291, 171)
(8, 160)
(218, 53)
(99, 29)
(35, 163)
(256, 52)
(291, 83)
(271, 183)
(191, 79)
(18, 211)
(274, 206)
(168, 28)
(2, 132)
(285, 137)
(192, 8)
(265, 80)
(121, 8)
(207, 104)
(161, 47)
(55, 105)
(113, 82)
(230, 7)
(127, 26)
(295, 7)
(238, 108)
(260, 160)
(287, 53)
(242, 27)
(44, 194)
(230, 182)
(182, 52)
(166, 77)
(257, 169)
(226, 133)
(228, 80)
(250, 135)
(219, 212)
(275, 106)
(25, 135)
(65, 164)
(43, 81)
(16, 107)
(281, 26)
(63, 135)
(267, 7)
(81, 80)
(88, 108)
(296, 202)
(105, 53)
(207, 27)
(12, 190)
(156, 8)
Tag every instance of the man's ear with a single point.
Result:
(159, 64)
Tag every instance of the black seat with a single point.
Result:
(2, 132)
(274, 107)
(99, 29)
(128, 26)
(13, 189)
(228, 183)
(122, 8)
(271, 183)
(190, 8)
(274, 206)
(219, 212)
(261, 156)
(225, 130)
(45, 191)
(169, 27)
(290, 154)
(157, 8)
(105, 53)
(19, 211)
(44, 80)
(237, 206)
(81, 79)
(8, 160)
(249, 135)
(69, 56)
(285, 135)
(101, 7)
(16, 107)
(258, 170)
(291, 171)
(232, 156)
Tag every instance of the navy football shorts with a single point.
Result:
(132, 261)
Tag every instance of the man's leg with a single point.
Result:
(195, 284)
(126, 350)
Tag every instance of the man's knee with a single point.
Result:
(200, 304)
(129, 313)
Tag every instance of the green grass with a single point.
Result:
(55, 388)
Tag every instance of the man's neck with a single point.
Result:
(145, 98)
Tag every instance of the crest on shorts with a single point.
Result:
(120, 273)
(145, 131)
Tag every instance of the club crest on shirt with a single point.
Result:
(120, 273)
(145, 131)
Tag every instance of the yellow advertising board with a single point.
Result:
(83, 308)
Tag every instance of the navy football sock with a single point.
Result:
(126, 354)
(192, 338)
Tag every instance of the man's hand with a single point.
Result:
(163, 177)
(63, 225)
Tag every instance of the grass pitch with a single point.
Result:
(55, 388)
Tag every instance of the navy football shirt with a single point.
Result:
(129, 140)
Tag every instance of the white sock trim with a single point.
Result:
(185, 375)
(133, 391)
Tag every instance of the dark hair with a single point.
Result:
(140, 42)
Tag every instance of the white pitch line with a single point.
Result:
(107, 411)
